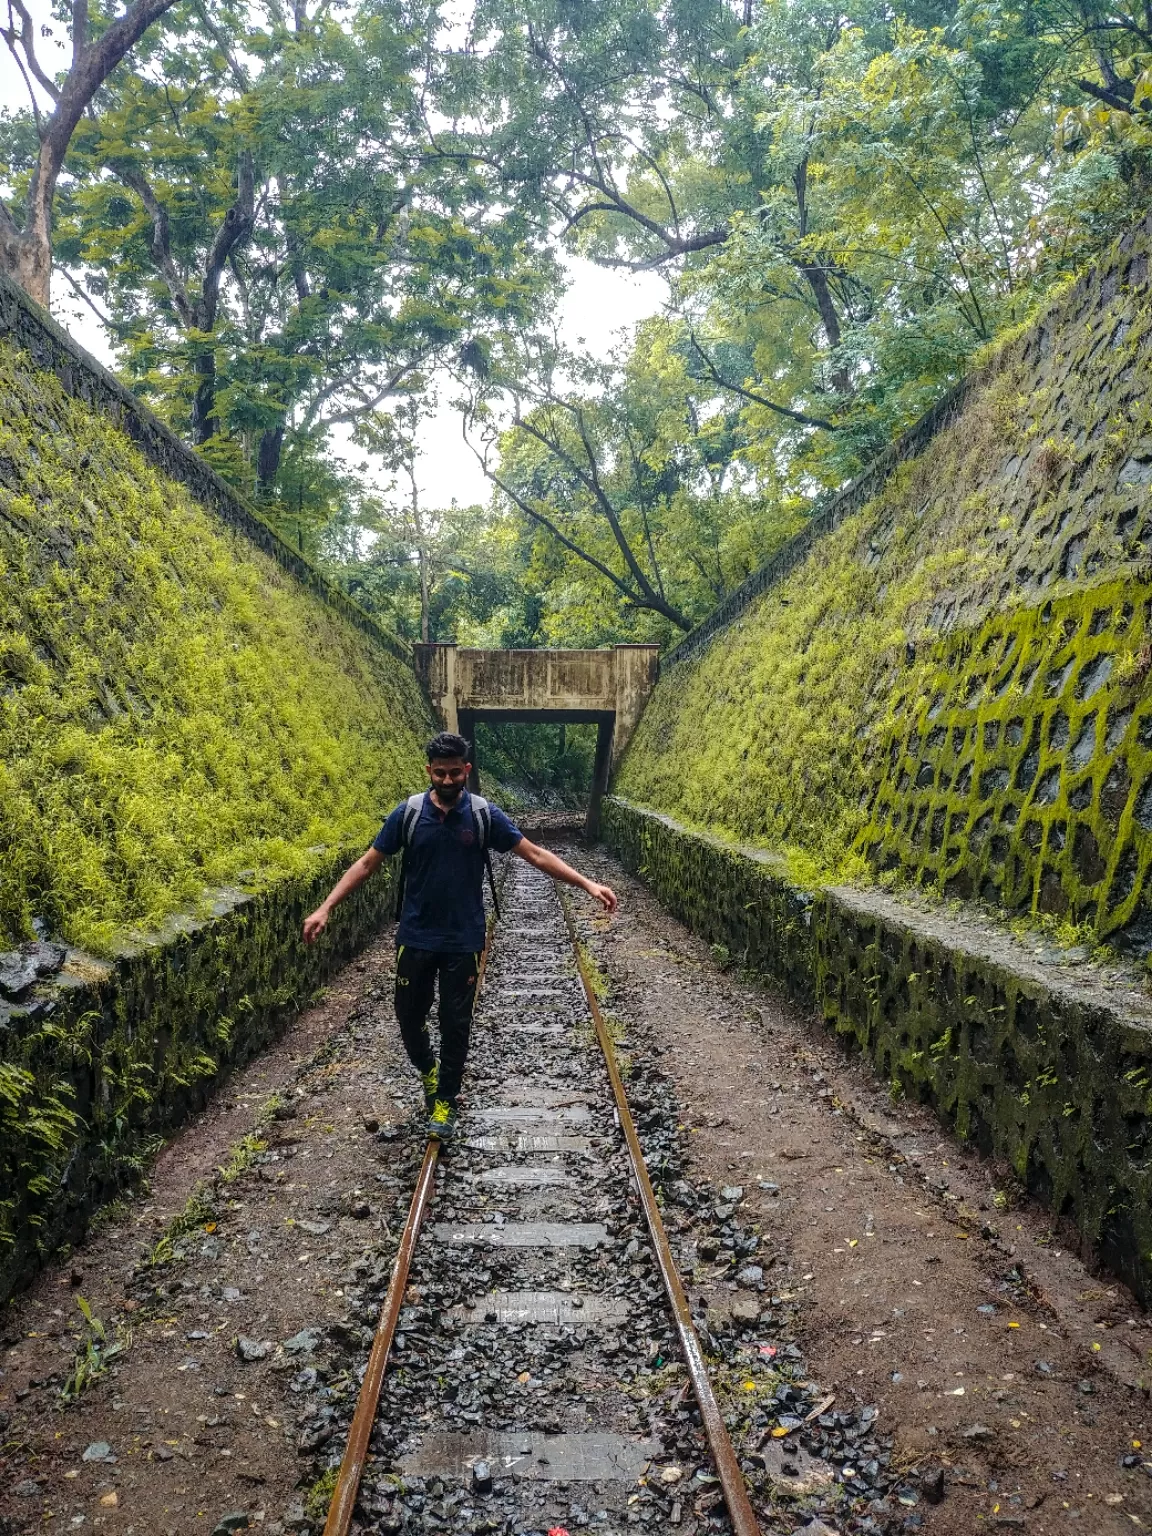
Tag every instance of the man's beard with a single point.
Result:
(449, 793)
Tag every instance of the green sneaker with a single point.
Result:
(431, 1081)
(442, 1121)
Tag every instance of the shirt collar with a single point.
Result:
(465, 798)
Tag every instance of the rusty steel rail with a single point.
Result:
(360, 1431)
(732, 1483)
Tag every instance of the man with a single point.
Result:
(442, 924)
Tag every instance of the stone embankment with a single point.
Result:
(943, 689)
(196, 733)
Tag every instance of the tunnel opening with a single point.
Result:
(542, 759)
(539, 765)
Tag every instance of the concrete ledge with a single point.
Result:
(1031, 1053)
(107, 1055)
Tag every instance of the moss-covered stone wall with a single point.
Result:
(186, 710)
(109, 1054)
(1053, 1077)
(175, 707)
(1022, 774)
(949, 684)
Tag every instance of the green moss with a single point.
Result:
(175, 710)
(1021, 770)
(852, 718)
(319, 1495)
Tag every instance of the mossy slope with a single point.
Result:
(175, 709)
(918, 677)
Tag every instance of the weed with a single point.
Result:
(93, 1354)
(319, 1495)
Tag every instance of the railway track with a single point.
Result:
(536, 1369)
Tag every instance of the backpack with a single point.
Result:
(481, 816)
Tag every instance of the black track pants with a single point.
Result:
(416, 972)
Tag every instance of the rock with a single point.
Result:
(977, 1432)
(232, 1523)
(750, 1276)
(20, 968)
(732, 1193)
(251, 1350)
(16, 974)
(304, 1342)
(99, 1450)
(745, 1309)
(315, 1228)
(27, 1489)
(481, 1477)
(932, 1485)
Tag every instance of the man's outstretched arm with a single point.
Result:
(549, 864)
(364, 866)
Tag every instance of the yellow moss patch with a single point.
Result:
(176, 712)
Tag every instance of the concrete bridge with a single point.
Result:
(608, 688)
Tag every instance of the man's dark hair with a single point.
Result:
(447, 744)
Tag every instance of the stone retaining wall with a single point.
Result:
(104, 1057)
(1043, 1066)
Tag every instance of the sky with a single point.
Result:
(598, 305)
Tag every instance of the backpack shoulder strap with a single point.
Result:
(482, 820)
(411, 816)
(482, 815)
(412, 809)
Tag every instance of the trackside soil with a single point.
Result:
(924, 1295)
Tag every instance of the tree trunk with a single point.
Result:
(822, 293)
(27, 261)
(424, 628)
(204, 420)
(26, 254)
(268, 459)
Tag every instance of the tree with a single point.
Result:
(275, 249)
(848, 199)
(26, 246)
(631, 478)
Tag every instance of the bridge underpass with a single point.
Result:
(606, 688)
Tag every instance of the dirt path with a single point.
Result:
(925, 1289)
(244, 1303)
(180, 1431)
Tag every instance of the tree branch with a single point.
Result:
(25, 36)
(235, 229)
(590, 480)
(772, 405)
(1112, 99)
(546, 522)
(161, 243)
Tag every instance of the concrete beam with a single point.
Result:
(540, 685)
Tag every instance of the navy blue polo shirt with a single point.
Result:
(444, 887)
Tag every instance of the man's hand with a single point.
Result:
(314, 924)
(604, 894)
